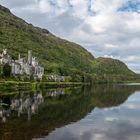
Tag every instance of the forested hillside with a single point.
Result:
(57, 55)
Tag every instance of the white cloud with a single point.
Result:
(132, 58)
(44, 6)
(106, 6)
(80, 7)
(110, 46)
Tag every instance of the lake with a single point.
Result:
(98, 112)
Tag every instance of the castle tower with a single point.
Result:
(4, 51)
(30, 57)
(19, 56)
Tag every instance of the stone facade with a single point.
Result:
(28, 66)
(55, 78)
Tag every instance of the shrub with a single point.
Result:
(7, 70)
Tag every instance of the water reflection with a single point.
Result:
(19, 105)
(96, 112)
(55, 92)
(24, 103)
(115, 123)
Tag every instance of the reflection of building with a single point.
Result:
(22, 66)
(22, 106)
(4, 114)
(55, 92)
(25, 103)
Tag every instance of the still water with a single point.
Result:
(86, 113)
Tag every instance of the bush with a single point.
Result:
(44, 79)
(7, 70)
(32, 78)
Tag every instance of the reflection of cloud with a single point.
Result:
(111, 119)
(133, 101)
(135, 96)
(98, 136)
(105, 124)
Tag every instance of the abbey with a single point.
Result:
(28, 66)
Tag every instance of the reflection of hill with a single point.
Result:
(61, 110)
(108, 96)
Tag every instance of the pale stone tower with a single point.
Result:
(30, 57)
(4, 51)
(19, 56)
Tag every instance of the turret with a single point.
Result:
(4, 51)
(19, 56)
(30, 57)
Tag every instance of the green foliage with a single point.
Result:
(76, 76)
(110, 66)
(26, 78)
(7, 70)
(68, 78)
(32, 78)
(44, 79)
(58, 56)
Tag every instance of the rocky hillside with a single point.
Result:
(57, 55)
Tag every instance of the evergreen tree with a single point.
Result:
(44, 79)
(32, 78)
(7, 70)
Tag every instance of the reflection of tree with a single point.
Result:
(108, 96)
(60, 110)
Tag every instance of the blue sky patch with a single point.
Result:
(52, 2)
(90, 11)
(131, 6)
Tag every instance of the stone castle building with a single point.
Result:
(28, 66)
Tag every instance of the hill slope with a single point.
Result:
(19, 36)
(108, 70)
(57, 55)
(110, 66)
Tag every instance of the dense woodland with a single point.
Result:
(58, 56)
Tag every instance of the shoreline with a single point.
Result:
(61, 84)
(20, 85)
(17, 85)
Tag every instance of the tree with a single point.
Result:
(32, 78)
(44, 79)
(7, 70)
(76, 76)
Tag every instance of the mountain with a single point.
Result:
(110, 66)
(57, 55)
(54, 53)
(108, 70)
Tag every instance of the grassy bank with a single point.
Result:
(14, 85)
(17, 85)
(60, 84)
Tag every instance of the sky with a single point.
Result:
(108, 28)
